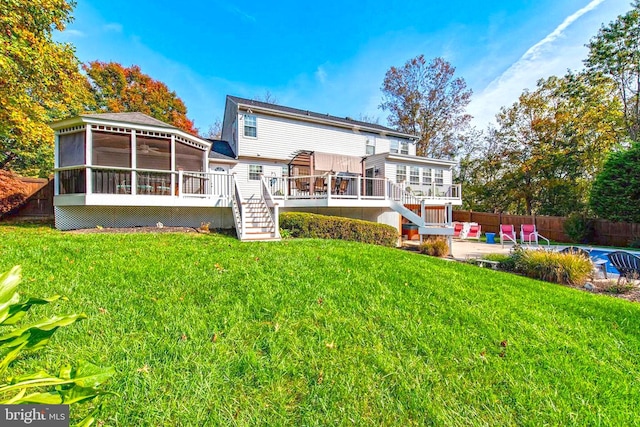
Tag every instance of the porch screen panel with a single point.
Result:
(71, 149)
(189, 158)
(111, 149)
(153, 153)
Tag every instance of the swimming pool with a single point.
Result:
(601, 254)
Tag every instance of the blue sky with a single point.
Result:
(331, 56)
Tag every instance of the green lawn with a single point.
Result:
(204, 330)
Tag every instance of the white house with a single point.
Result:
(128, 169)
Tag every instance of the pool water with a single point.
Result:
(601, 254)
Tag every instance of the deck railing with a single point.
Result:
(354, 187)
(144, 182)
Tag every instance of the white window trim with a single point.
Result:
(244, 126)
(413, 176)
(371, 142)
(398, 174)
(260, 171)
(404, 147)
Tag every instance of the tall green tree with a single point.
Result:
(615, 53)
(427, 100)
(616, 191)
(39, 82)
(119, 89)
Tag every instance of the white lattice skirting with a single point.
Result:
(75, 217)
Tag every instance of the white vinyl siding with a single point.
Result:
(280, 137)
(250, 126)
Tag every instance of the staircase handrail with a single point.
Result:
(237, 207)
(399, 194)
(267, 199)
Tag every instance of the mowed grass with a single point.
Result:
(204, 330)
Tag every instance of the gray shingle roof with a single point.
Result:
(134, 118)
(343, 120)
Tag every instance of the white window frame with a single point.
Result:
(427, 176)
(439, 177)
(393, 146)
(254, 172)
(371, 145)
(404, 147)
(285, 170)
(401, 176)
(414, 175)
(250, 122)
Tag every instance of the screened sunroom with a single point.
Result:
(131, 159)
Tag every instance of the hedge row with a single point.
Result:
(300, 224)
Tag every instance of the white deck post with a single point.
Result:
(88, 147)
(173, 165)
(359, 189)
(329, 187)
(180, 189)
(134, 164)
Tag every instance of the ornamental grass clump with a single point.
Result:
(556, 267)
(435, 246)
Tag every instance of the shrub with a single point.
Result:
(556, 267)
(12, 192)
(579, 228)
(300, 224)
(434, 246)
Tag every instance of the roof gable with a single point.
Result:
(132, 117)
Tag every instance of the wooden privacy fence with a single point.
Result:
(606, 233)
(39, 204)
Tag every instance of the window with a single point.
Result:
(250, 126)
(401, 174)
(439, 176)
(414, 175)
(404, 148)
(393, 148)
(285, 170)
(427, 176)
(371, 145)
(189, 158)
(254, 172)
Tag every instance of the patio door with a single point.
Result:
(368, 182)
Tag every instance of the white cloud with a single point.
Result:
(73, 33)
(560, 50)
(113, 27)
(321, 75)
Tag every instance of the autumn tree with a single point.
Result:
(615, 53)
(118, 89)
(427, 100)
(39, 82)
(548, 147)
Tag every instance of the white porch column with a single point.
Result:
(56, 163)
(88, 154)
(329, 187)
(173, 165)
(134, 163)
